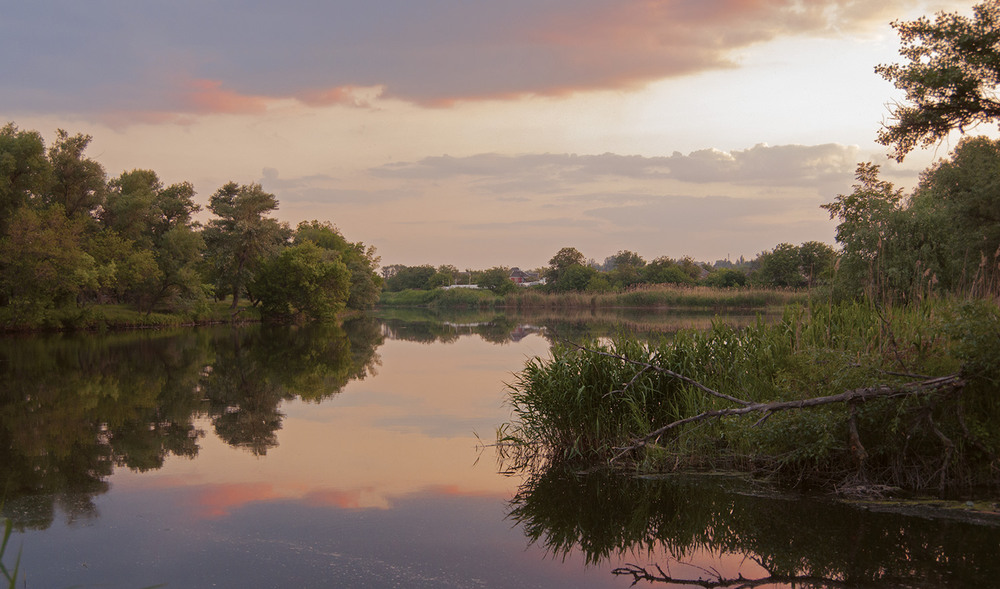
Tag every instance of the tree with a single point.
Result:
(409, 277)
(780, 266)
(957, 199)
(78, 183)
(816, 260)
(564, 258)
(624, 258)
(25, 172)
(879, 242)
(140, 209)
(664, 270)
(726, 278)
(304, 280)
(242, 237)
(361, 261)
(950, 77)
(573, 278)
(497, 280)
(45, 265)
(623, 269)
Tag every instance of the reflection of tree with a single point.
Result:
(262, 366)
(73, 407)
(511, 325)
(608, 515)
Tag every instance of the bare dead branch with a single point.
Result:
(717, 581)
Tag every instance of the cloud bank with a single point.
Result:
(146, 60)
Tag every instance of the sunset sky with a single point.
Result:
(482, 133)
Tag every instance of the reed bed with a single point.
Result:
(585, 404)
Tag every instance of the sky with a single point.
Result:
(483, 134)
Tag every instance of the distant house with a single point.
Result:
(517, 276)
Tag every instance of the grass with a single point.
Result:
(584, 405)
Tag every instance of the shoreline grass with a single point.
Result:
(585, 405)
(657, 297)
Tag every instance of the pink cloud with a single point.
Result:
(338, 95)
(208, 96)
(343, 499)
(219, 500)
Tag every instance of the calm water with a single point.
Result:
(351, 457)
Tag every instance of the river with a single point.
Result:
(358, 456)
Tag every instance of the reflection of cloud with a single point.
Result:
(335, 498)
(215, 501)
(105, 56)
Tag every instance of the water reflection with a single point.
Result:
(576, 325)
(650, 528)
(74, 407)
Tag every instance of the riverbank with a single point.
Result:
(114, 317)
(837, 397)
(661, 297)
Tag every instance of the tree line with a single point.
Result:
(786, 265)
(70, 237)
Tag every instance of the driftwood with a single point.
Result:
(924, 386)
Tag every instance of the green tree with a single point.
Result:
(664, 270)
(956, 204)
(781, 266)
(409, 277)
(242, 237)
(496, 279)
(950, 77)
(46, 266)
(816, 260)
(159, 220)
(573, 278)
(725, 278)
(564, 258)
(361, 261)
(78, 183)
(303, 281)
(25, 171)
(877, 237)
(623, 269)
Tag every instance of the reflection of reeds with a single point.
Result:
(608, 517)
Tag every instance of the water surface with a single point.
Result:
(352, 456)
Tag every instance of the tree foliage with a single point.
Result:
(78, 182)
(70, 237)
(303, 281)
(361, 261)
(497, 280)
(24, 170)
(950, 77)
(242, 236)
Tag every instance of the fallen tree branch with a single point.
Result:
(932, 385)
